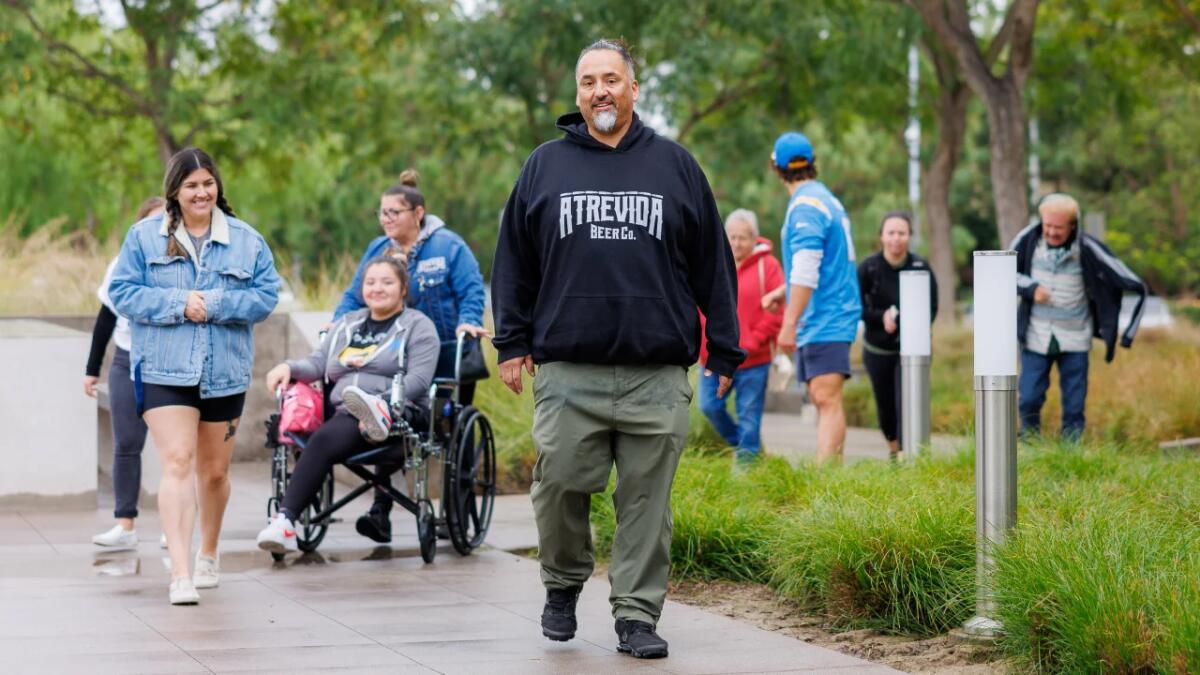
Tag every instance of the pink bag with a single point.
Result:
(301, 412)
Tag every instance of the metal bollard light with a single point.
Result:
(915, 351)
(995, 423)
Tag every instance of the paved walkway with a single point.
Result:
(64, 607)
(794, 436)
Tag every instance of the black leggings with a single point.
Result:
(884, 371)
(335, 441)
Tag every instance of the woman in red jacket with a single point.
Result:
(758, 273)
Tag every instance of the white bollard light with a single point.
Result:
(916, 348)
(995, 320)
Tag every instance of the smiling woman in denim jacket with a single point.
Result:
(193, 282)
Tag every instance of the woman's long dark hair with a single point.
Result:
(180, 166)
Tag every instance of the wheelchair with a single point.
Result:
(459, 438)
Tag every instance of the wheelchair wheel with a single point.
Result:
(308, 533)
(469, 489)
(427, 531)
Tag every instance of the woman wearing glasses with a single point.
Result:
(445, 285)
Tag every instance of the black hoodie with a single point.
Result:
(605, 253)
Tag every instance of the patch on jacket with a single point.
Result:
(435, 264)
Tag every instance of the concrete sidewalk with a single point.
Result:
(793, 435)
(351, 607)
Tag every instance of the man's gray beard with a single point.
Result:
(605, 121)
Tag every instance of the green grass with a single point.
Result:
(1102, 573)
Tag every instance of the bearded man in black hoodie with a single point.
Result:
(609, 243)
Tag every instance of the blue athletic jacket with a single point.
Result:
(444, 279)
(818, 252)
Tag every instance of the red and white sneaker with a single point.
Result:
(279, 536)
(372, 413)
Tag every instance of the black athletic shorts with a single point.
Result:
(222, 409)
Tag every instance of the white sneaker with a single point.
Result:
(182, 592)
(207, 573)
(162, 541)
(117, 539)
(279, 536)
(372, 411)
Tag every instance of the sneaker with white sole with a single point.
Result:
(279, 536)
(162, 541)
(182, 592)
(207, 573)
(372, 412)
(117, 538)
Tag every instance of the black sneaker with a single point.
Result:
(375, 525)
(639, 639)
(558, 616)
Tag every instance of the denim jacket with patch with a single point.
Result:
(236, 274)
(444, 279)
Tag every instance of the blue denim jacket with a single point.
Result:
(237, 276)
(444, 279)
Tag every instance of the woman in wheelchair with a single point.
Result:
(357, 358)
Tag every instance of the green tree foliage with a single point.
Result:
(313, 109)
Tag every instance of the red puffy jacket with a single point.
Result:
(757, 275)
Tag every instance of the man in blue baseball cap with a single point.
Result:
(820, 321)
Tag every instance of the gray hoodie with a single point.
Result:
(375, 375)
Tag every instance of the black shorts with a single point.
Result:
(222, 409)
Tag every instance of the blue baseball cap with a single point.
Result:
(793, 151)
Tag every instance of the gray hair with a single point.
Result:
(746, 216)
(617, 46)
(1059, 202)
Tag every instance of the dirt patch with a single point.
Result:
(759, 605)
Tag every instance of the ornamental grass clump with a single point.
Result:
(884, 547)
(720, 532)
(1111, 591)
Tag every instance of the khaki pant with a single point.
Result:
(586, 418)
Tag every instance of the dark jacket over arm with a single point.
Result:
(1105, 280)
(106, 321)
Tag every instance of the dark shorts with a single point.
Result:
(222, 409)
(821, 358)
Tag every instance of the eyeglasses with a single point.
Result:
(392, 214)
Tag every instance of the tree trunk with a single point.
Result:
(166, 143)
(1006, 142)
(950, 113)
(950, 22)
(1179, 209)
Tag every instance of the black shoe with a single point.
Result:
(558, 616)
(375, 525)
(639, 639)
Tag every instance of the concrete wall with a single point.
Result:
(48, 449)
(274, 340)
(280, 337)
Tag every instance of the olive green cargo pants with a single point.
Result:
(586, 418)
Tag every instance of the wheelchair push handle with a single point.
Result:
(459, 347)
